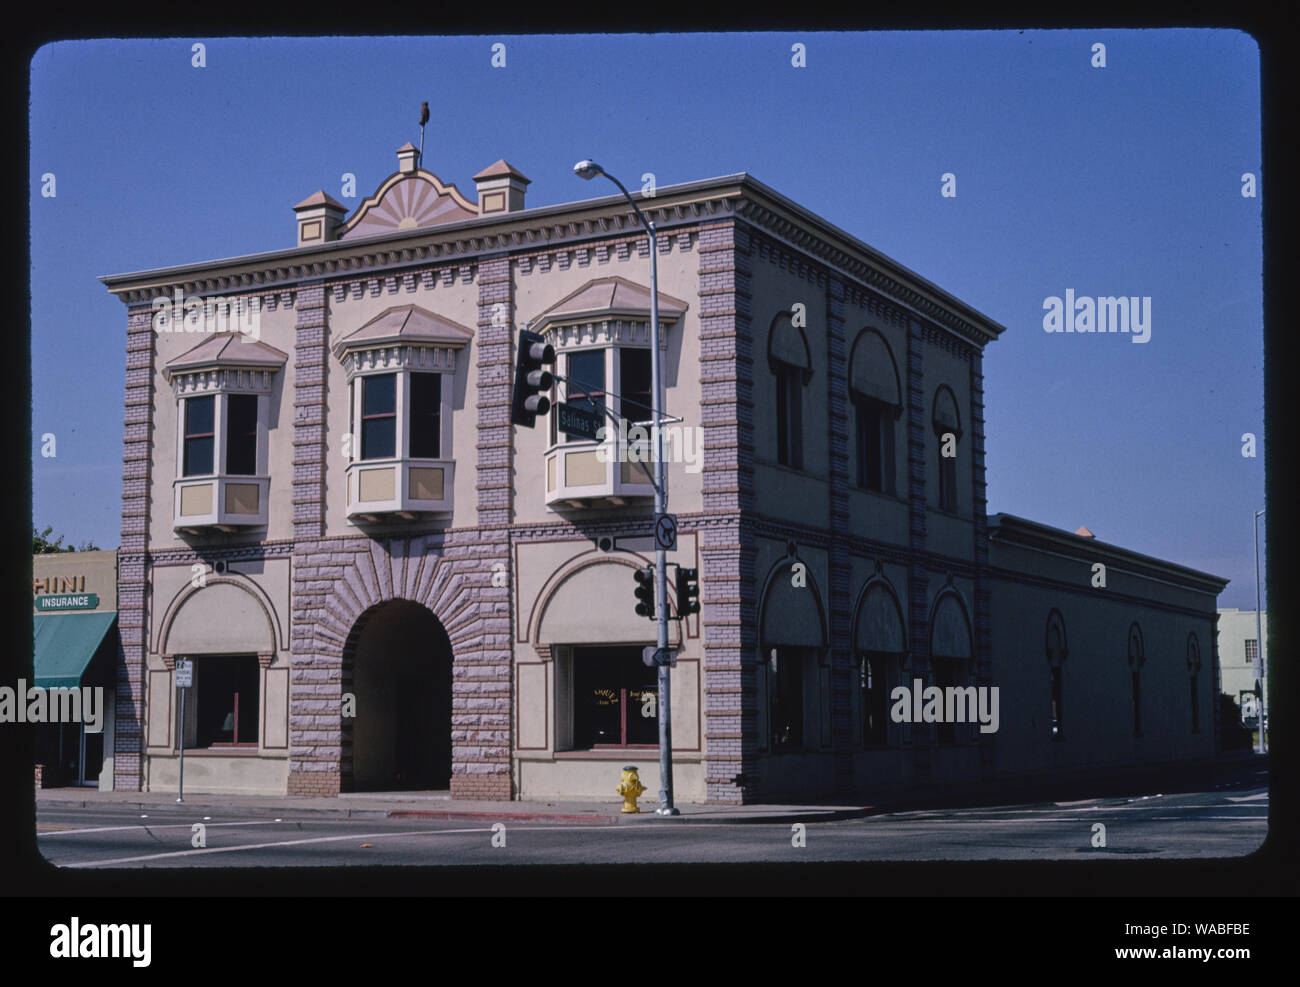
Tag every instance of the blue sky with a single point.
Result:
(1117, 180)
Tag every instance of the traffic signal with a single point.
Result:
(645, 591)
(688, 591)
(531, 380)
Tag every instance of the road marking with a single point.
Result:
(1247, 798)
(264, 846)
(110, 829)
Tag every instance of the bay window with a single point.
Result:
(601, 336)
(401, 368)
(223, 388)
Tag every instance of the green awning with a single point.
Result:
(65, 645)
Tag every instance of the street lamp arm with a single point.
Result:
(632, 202)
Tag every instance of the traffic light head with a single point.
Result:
(688, 591)
(645, 591)
(531, 379)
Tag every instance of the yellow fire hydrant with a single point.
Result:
(630, 788)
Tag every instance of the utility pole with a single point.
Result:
(589, 170)
(1259, 644)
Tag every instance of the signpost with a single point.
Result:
(184, 679)
(577, 422)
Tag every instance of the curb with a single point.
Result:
(512, 816)
(606, 818)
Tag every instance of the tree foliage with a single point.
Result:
(43, 545)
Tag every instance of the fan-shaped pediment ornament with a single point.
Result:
(408, 201)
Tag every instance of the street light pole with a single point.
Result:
(1259, 644)
(589, 170)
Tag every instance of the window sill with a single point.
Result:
(243, 750)
(792, 470)
(894, 498)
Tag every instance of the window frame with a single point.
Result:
(582, 653)
(1056, 667)
(885, 417)
(887, 663)
(200, 698)
(187, 436)
(437, 414)
(949, 494)
(402, 406)
(220, 396)
(610, 400)
(789, 414)
(1194, 672)
(1136, 659)
(231, 437)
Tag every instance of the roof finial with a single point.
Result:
(424, 118)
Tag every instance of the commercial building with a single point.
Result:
(74, 606)
(1239, 656)
(383, 583)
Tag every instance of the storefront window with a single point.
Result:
(222, 705)
(614, 699)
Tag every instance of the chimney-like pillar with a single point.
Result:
(501, 188)
(407, 158)
(319, 218)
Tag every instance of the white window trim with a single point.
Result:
(402, 367)
(219, 385)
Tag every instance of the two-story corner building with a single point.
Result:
(1239, 655)
(384, 584)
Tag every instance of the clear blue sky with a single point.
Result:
(1117, 180)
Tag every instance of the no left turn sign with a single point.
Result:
(666, 532)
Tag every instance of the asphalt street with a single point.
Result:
(1224, 823)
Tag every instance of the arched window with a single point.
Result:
(950, 662)
(1056, 652)
(1194, 671)
(946, 421)
(790, 361)
(793, 683)
(877, 404)
(879, 644)
(1136, 658)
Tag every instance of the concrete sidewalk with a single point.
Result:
(1231, 769)
(439, 805)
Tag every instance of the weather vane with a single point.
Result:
(424, 118)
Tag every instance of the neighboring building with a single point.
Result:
(74, 603)
(1239, 656)
(339, 510)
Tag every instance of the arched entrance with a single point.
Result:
(397, 664)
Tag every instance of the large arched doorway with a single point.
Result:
(397, 664)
